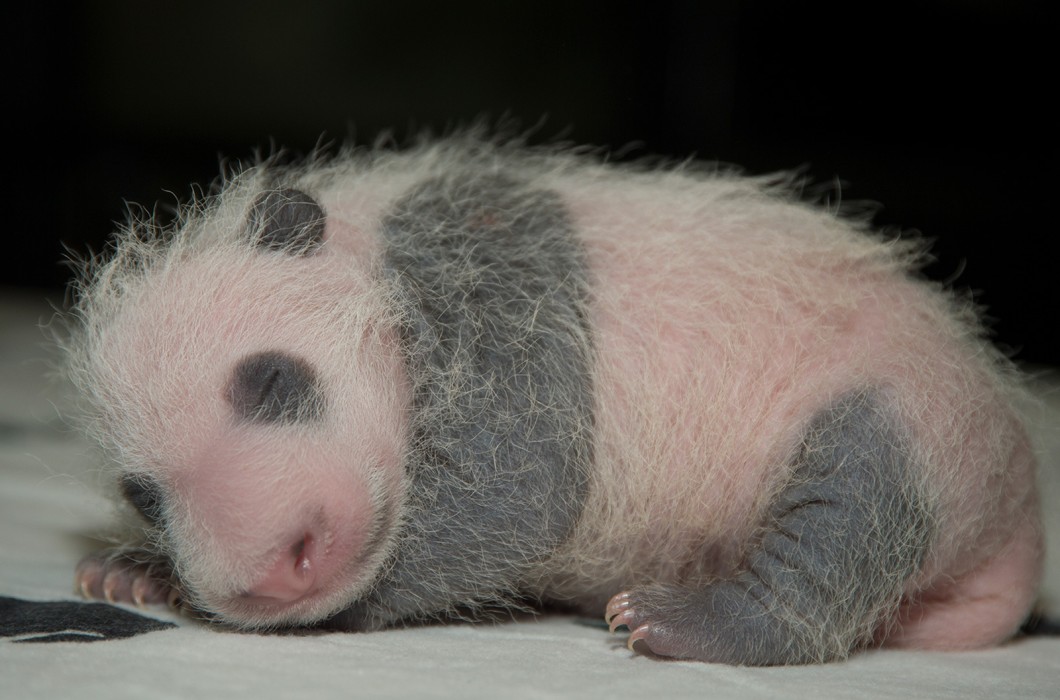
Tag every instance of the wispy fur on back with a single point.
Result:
(683, 331)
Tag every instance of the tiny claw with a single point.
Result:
(139, 589)
(110, 584)
(87, 575)
(616, 605)
(623, 618)
(638, 635)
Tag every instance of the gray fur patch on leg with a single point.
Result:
(492, 282)
(841, 540)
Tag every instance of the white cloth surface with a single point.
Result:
(49, 512)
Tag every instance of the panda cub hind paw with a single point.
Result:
(657, 624)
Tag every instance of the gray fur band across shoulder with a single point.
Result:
(494, 285)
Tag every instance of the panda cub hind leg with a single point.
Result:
(838, 543)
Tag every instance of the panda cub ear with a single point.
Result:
(287, 220)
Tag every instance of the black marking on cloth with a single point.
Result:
(841, 540)
(492, 281)
(287, 220)
(275, 387)
(71, 621)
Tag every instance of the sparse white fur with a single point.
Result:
(725, 315)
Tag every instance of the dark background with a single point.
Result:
(935, 109)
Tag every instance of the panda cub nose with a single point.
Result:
(275, 387)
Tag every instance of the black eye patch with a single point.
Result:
(274, 387)
(287, 220)
(145, 495)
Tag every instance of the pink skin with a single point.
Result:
(266, 524)
(292, 577)
(306, 555)
(709, 363)
(310, 542)
(843, 327)
(984, 606)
